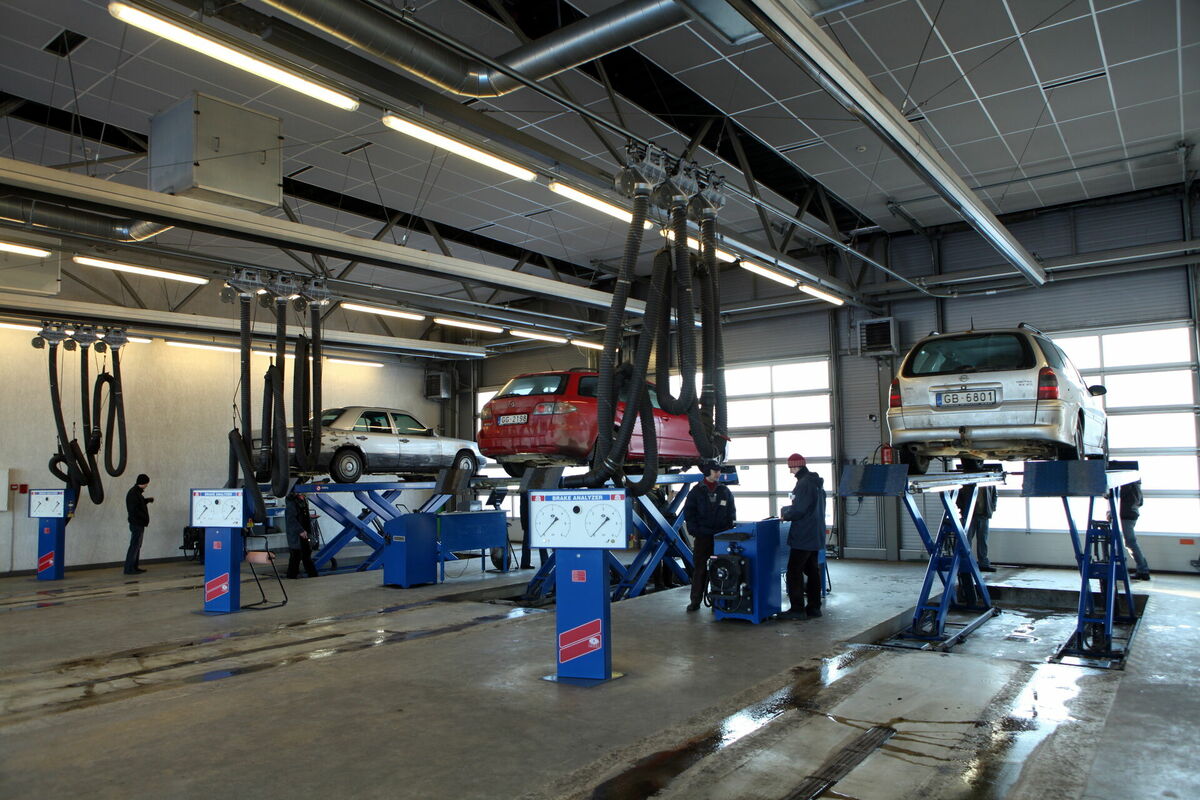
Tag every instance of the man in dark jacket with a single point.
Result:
(708, 510)
(298, 523)
(806, 537)
(137, 508)
(985, 506)
(1131, 504)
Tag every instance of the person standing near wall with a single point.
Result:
(708, 510)
(138, 511)
(298, 522)
(806, 537)
(1131, 504)
(985, 506)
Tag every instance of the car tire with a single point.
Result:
(513, 470)
(464, 459)
(971, 464)
(917, 464)
(347, 466)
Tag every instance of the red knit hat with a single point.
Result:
(796, 460)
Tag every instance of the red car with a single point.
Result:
(549, 418)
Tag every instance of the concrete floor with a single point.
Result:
(117, 687)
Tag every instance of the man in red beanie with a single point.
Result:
(805, 537)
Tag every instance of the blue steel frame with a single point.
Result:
(1100, 556)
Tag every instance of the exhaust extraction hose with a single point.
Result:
(314, 441)
(300, 405)
(279, 448)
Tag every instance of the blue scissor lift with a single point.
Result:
(661, 539)
(951, 563)
(1107, 614)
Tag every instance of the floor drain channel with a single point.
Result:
(840, 765)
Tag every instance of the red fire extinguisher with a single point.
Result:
(887, 454)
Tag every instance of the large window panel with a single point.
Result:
(751, 509)
(1166, 473)
(1084, 351)
(750, 413)
(747, 448)
(1167, 346)
(1010, 513)
(801, 409)
(785, 480)
(1138, 431)
(1169, 515)
(1173, 387)
(748, 380)
(801, 376)
(753, 478)
(808, 443)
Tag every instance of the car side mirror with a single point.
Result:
(1097, 390)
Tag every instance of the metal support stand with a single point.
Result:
(951, 563)
(1100, 557)
(52, 510)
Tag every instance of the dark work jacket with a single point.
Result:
(296, 520)
(136, 505)
(709, 511)
(985, 501)
(1131, 500)
(807, 512)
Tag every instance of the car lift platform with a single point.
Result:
(950, 559)
(1107, 617)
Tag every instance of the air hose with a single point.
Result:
(116, 417)
(65, 464)
(685, 314)
(237, 446)
(300, 405)
(91, 438)
(279, 448)
(714, 397)
(244, 301)
(314, 441)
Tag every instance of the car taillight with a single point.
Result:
(486, 414)
(894, 397)
(1047, 384)
(554, 408)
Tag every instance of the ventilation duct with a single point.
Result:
(40, 215)
(371, 27)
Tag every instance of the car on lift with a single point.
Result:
(1009, 394)
(363, 440)
(549, 419)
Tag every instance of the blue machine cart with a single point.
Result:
(222, 514)
(757, 555)
(951, 563)
(52, 508)
(471, 530)
(410, 553)
(1100, 556)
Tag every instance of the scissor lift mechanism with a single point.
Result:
(951, 562)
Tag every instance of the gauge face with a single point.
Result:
(600, 522)
(47, 504)
(552, 521)
(213, 509)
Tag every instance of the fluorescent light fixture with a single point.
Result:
(23, 250)
(475, 326)
(820, 295)
(147, 271)
(769, 274)
(694, 244)
(207, 45)
(587, 344)
(386, 312)
(603, 206)
(270, 354)
(459, 148)
(18, 327)
(137, 339)
(354, 363)
(196, 346)
(545, 337)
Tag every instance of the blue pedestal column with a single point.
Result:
(583, 616)
(52, 543)
(222, 570)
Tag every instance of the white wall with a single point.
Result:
(179, 404)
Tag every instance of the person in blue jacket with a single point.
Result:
(805, 538)
(708, 510)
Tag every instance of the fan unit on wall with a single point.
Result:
(437, 386)
(877, 337)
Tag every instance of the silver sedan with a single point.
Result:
(359, 440)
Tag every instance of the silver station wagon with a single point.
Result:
(359, 440)
(1008, 394)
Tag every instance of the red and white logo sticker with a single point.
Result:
(217, 587)
(579, 576)
(216, 544)
(579, 641)
(46, 561)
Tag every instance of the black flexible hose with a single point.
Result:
(237, 446)
(116, 416)
(300, 405)
(244, 302)
(279, 449)
(649, 449)
(684, 313)
(712, 323)
(65, 456)
(264, 448)
(314, 441)
(91, 437)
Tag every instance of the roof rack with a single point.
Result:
(1029, 327)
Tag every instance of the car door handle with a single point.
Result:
(405, 441)
(361, 438)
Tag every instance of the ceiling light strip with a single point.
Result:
(87, 261)
(593, 202)
(161, 25)
(463, 149)
(386, 312)
(545, 337)
(587, 344)
(474, 326)
(821, 295)
(23, 250)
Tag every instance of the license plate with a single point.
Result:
(514, 419)
(977, 397)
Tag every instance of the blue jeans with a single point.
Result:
(1127, 526)
(135, 547)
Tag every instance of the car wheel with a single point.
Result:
(465, 460)
(513, 470)
(347, 466)
(971, 464)
(917, 464)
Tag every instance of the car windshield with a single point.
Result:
(973, 352)
(553, 383)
